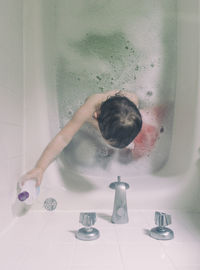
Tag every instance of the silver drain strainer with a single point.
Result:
(50, 204)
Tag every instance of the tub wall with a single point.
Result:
(11, 104)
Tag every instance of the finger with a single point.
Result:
(23, 181)
(38, 182)
(25, 178)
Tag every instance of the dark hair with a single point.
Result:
(119, 121)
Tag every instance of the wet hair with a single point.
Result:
(119, 121)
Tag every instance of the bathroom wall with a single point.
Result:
(11, 104)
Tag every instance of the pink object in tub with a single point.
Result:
(152, 124)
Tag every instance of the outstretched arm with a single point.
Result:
(61, 140)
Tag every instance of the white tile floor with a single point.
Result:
(46, 240)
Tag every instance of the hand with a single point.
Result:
(36, 174)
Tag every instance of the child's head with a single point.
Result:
(119, 121)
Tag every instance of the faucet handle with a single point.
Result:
(87, 219)
(162, 219)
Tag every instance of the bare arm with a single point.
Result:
(62, 139)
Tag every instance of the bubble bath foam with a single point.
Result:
(104, 45)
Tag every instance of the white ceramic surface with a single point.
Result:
(29, 119)
(46, 240)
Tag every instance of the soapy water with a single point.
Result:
(104, 45)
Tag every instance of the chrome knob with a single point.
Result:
(162, 219)
(162, 232)
(88, 232)
(87, 219)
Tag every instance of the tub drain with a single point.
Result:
(50, 204)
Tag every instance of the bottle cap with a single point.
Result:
(23, 196)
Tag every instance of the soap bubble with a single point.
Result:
(116, 45)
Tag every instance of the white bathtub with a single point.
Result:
(174, 185)
(46, 240)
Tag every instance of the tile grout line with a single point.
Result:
(119, 248)
(9, 227)
(75, 246)
(169, 258)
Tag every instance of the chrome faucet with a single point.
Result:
(120, 213)
(88, 232)
(162, 232)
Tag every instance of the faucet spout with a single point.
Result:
(120, 212)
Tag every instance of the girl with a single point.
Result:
(117, 117)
